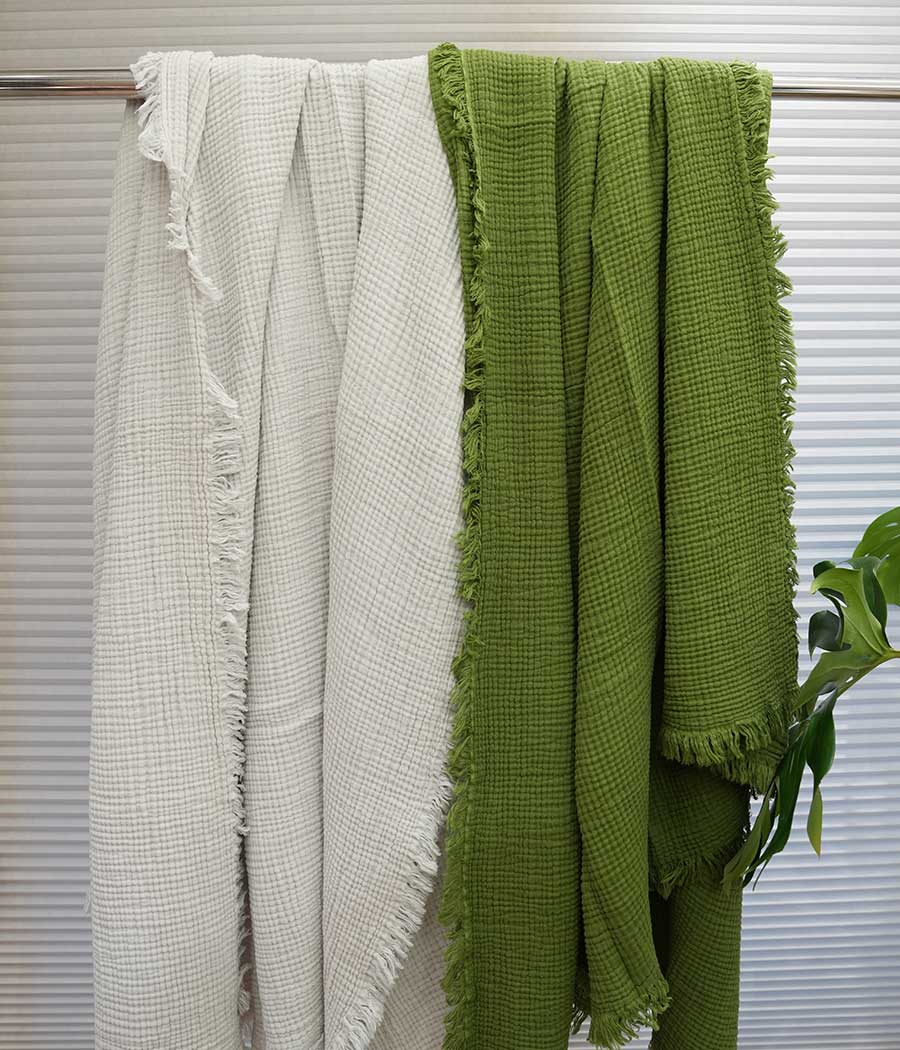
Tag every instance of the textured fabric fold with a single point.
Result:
(176, 442)
(511, 893)
(304, 306)
(394, 618)
(246, 259)
(626, 480)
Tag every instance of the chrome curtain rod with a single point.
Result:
(118, 83)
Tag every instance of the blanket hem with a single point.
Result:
(729, 748)
(155, 144)
(228, 534)
(690, 868)
(611, 1031)
(358, 1026)
(753, 95)
(753, 88)
(449, 94)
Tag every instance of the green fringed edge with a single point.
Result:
(754, 91)
(451, 105)
(689, 869)
(581, 1005)
(737, 752)
(612, 1031)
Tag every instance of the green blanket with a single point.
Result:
(630, 651)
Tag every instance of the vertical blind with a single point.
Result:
(821, 957)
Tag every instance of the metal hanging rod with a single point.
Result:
(118, 83)
(69, 83)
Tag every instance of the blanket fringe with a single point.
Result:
(729, 748)
(361, 1021)
(754, 103)
(454, 913)
(230, 543)
(154, 142)
(612, 1031)
(691, 868)
(229, 535)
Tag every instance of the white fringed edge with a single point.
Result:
(229, 531)
(229, 536)
(229, 541)
(361, 1020)
(155, 144)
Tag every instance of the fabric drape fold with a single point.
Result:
(630, 655)
(394, 622)
(277, 490)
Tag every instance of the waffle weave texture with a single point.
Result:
(630, 652)
(278, 487)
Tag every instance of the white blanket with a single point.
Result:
(277, 489)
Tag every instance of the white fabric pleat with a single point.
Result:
(277, 490)
(394, 622)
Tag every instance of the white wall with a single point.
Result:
(822, 940)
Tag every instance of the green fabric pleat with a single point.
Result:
(630, 652)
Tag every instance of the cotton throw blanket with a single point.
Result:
(629, 656)
(277, 491)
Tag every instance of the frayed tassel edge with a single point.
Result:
(729, 749)
(227, 529)
(230, 542)
(358, 1028)
(458, 983)
(154, 142)
(245, 998)
(691, 868)
(226, 505)
(613, 1031)
(754, 104)
(153, 139)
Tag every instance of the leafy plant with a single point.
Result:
(853, 641)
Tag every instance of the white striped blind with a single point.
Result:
(822, 937)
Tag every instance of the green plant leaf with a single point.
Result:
(819, 742)
(835, 672)
(811, 742)
(882, 540)
(745, 859)
(882, 535)
(819, 746)
(788, 779)
(853, 641)
(889, 577)
(814, 822)
(849, 587)
(872, 590)
(743, 863)
(825, 630)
